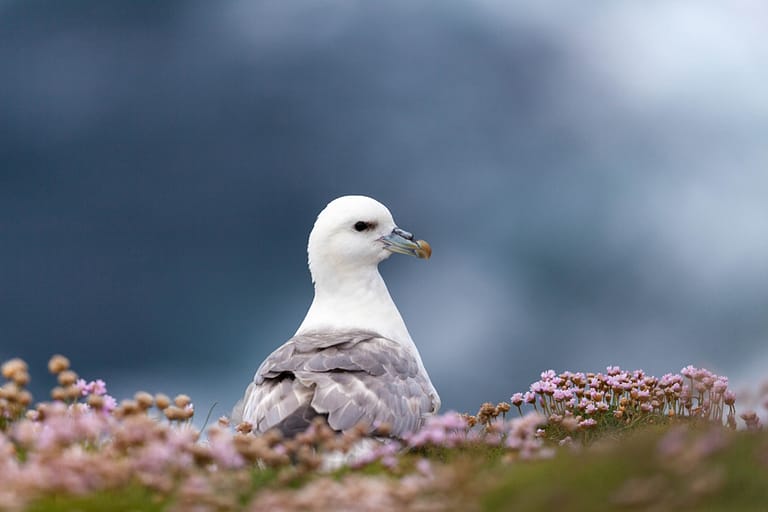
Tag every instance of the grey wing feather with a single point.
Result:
(347, 377)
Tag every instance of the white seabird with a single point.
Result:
(352, 359)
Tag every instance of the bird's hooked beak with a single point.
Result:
(402, 242)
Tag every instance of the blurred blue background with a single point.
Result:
(593, 180)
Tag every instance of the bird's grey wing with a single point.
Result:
(349, 377)
(275, 398)
(373, 380)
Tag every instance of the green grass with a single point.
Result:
(133, 498)
(633, 475)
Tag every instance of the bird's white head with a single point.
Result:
(353, 234)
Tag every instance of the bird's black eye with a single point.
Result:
(361, 226)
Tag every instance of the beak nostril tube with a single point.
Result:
(403, 233)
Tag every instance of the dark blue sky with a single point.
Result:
(593, 183)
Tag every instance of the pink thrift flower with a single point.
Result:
(451, 420)
(688, 371)
(110, 404)
(81, 386)
(225, 454)
(720, 385)
(154, 457)
(548, 375)
(98, 387)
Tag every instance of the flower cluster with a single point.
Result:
(582, 401)
(518, 437)
(84, 441)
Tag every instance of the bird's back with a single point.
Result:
(348, 377)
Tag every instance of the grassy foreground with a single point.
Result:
(632, 474)
(606, 441)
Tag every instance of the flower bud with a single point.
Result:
(96, 401)
(24, 397)
(174, 413)
(67, 378)
(20, 378)
(12, 366)
(244, 427)
(162, 401)
(73, 392)
(58, 364)
(144, 400)
(129, 407)
(59, 393)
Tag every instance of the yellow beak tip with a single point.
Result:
(425, 250)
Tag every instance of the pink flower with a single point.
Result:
(110, 404)
(548, 387)
(98, 387)
(517, 399)
(720, 385)
(82, 387)
(225, 454)
(154, 457)
(688, 371)
(548, 375)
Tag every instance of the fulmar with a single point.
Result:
(352, 360)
